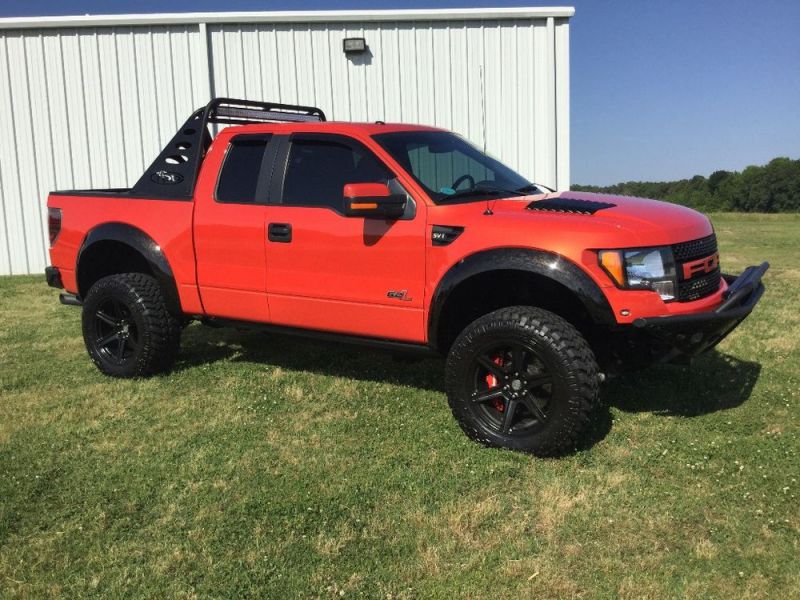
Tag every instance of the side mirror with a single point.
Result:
(373, 201)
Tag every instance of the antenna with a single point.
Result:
(483, 105)
(488, 212)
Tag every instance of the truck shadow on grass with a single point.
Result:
(715, 382)
(201, 345)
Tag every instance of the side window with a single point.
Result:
(238, 181)
(318, 170)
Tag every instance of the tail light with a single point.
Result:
(53, 223)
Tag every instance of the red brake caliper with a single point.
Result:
(491, 381)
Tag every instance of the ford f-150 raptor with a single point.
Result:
(400, 236)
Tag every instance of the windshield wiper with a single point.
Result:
(482, 190)
(531, 187)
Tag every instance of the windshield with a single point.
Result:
(451, 169)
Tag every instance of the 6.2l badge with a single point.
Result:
(399, 295)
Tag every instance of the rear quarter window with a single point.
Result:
(241, 171)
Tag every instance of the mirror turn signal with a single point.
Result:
(373, 200)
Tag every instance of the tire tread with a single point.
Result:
(162, 331)
(563, 435)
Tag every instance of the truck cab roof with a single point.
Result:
(182, 156)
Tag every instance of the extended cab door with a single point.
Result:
(230, 229)
(335, 273)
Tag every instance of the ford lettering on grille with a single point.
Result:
(702, 265)
(697, 262)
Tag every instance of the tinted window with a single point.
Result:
(318, 171)
(238, 181)
(444, 164)
(441, 170)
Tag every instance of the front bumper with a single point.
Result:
(692, 334)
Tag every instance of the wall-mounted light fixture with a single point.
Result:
(354, 45)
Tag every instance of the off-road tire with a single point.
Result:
(555, 346)
(140, 301)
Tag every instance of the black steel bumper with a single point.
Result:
(692, 334)
(53, 277)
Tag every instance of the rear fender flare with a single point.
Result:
(146, 246)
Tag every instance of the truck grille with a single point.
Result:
(701, 284)
(698, 287)
(695, 249)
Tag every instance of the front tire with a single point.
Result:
(127, 328)
(522, 378)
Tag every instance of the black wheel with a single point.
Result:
(522, 378)
(127, 328)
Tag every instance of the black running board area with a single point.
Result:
(327, 336)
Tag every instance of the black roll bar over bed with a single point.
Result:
(173, 175)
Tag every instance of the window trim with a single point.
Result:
(282, 164)
(264, 173)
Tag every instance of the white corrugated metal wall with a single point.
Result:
(85, 108)
(91, 105)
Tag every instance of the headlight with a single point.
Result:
(643, 269)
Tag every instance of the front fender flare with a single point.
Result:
(546, 264)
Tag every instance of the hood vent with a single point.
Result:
(565, 204)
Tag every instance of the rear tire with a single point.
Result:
(127, 328)
(522, 378)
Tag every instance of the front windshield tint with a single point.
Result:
(447, 166)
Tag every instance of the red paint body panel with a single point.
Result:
(230, 244)
(169, 223)
(336, 273)
(365, 190)
(362, 276)
(632, 223)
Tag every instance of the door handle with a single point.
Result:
(279, 232)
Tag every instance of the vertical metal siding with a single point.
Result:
(443, 73)
(92, 106)
(84, 108)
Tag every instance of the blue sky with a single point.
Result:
(660, 90)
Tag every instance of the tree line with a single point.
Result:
(774, 187)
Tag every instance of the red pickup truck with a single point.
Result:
(399, 236)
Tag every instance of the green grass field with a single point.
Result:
(271, 467)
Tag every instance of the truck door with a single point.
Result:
(230, 229)
(335, 273)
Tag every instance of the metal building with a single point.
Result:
(89, 101)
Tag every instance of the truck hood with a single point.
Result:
(621, 221)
